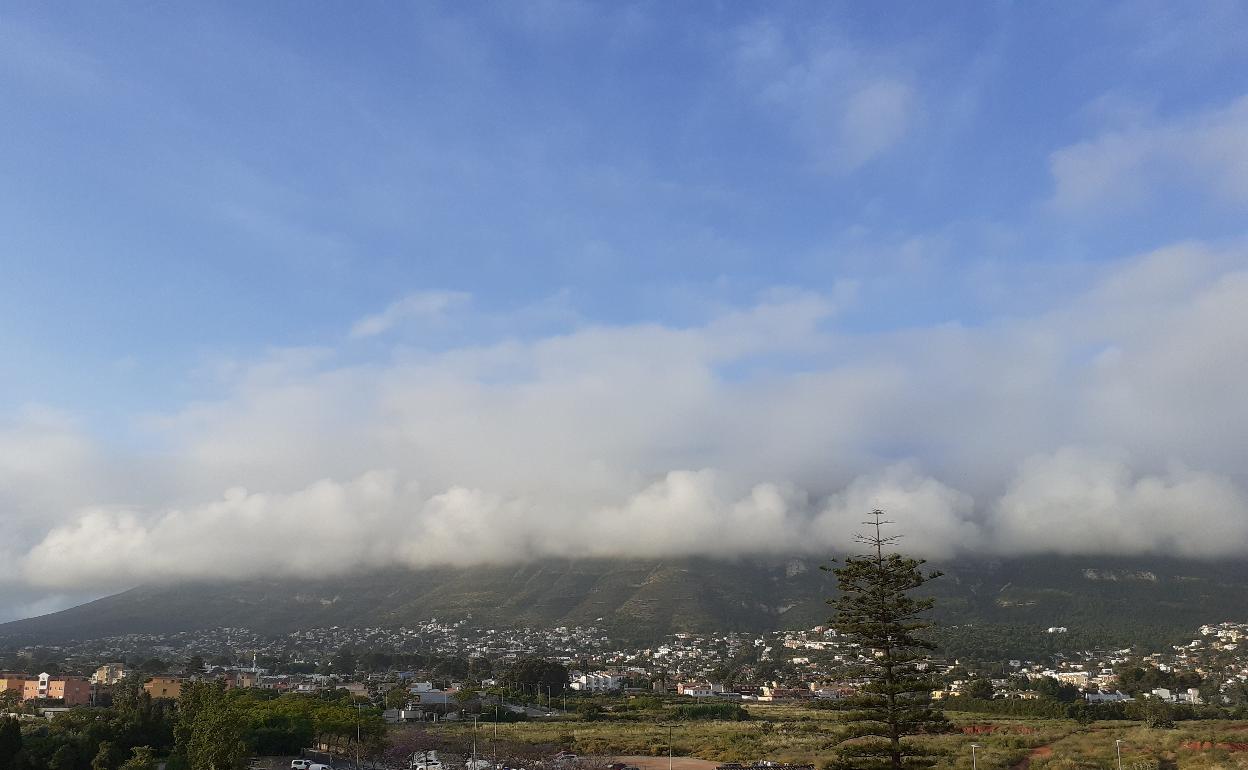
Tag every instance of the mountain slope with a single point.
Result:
(1116, 600)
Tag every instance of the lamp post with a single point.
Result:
(974, 758)
(669, 748)
(358, 707)
(1118, 751)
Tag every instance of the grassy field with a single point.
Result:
(794, 734)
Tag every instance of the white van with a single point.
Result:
(299, 764)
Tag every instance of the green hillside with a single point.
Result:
(997, 606)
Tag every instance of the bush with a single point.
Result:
(731, 712)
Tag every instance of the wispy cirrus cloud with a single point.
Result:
(424, 306)
(846, 106)
(1125, 168)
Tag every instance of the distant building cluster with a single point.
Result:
(791, 665)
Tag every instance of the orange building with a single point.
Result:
(12, 683)
(164, 687)
(73, 690)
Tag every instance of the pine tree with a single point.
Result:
(875, 610)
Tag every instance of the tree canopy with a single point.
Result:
(538, 674)
(875, 609)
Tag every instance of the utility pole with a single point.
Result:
(1118, 750)
(669, 748)
(474, 742)
(358, 706)
(974, 762)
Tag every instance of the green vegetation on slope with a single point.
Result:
(993, 609)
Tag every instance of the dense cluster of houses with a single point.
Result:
(785, 665)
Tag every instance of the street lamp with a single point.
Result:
(1118, 750)
(974, 759)
(358, 708)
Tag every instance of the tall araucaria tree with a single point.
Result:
(877, 611)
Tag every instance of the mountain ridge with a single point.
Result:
(646, 599)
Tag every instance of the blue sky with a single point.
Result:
(189, 194)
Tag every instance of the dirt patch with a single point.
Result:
(1210, 745)
(660, 763)
(1036, 753)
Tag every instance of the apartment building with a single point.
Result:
(73, 690)
(164, 687)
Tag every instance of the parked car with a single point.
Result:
(300, 764)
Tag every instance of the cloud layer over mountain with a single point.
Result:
(1112, 421)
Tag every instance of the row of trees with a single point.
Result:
(209, 728)
(1140, 679)
(217, 727)
(1047, 687)
(1151, 711)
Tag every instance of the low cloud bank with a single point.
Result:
(1114, 422)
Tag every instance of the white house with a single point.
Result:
(1117, 696)
(597, 683)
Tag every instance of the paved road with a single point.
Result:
(660, 763)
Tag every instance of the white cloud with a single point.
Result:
(376, 520)
(1128, 167)
(764, 429)
(877, 116)
(936, 519)
(1084, 501)
(426, 306)
(47, 463)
